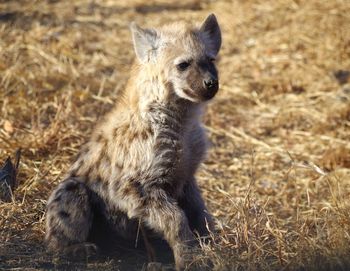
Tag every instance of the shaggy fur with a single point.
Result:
(140, 162)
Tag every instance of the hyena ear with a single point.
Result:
(212, 34)
(145, 42)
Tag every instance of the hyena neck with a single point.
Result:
(153, 96)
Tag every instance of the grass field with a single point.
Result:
(277, 177)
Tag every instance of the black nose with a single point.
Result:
(211, 83)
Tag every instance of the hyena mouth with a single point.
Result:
(203, 94)
(190, 93)
(209, 94)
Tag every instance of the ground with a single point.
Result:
(277, 176)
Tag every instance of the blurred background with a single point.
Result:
(277, 177)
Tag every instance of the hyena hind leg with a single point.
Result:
(69, 218)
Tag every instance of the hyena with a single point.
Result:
(139, 165)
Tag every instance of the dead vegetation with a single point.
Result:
(278, 175)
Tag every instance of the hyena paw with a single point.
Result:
(185, 256)
(81, 251)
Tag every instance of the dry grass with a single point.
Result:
(278, 175)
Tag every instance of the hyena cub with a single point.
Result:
(140, 162)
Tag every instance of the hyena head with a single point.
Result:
(183, 56)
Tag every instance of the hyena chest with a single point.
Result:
(168, 143)
(146, 152)
(147, 145)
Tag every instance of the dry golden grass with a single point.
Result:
(278, 174)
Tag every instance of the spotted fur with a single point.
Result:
(140, 162)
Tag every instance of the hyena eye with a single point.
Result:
(183, 65)
(211, 59)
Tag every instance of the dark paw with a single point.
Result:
(156, 266)
(81, 251)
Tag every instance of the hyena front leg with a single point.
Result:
(192, 203)
(162, 214)
(69, 218)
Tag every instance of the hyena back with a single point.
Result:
(140, 162)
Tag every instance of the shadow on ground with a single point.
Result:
(17, 255)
